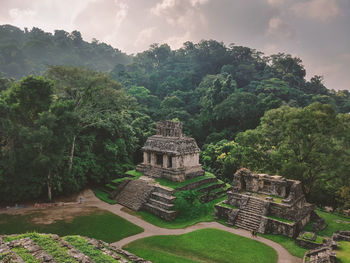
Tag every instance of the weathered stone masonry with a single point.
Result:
(254, 212)
(170, 154)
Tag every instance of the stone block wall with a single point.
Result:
(226, 213)
(293, 212)
(281, 228)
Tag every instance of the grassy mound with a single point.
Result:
(100, 225)
(103, 193)
(334, 221)
(206, 245)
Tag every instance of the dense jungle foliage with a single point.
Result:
(74, 126)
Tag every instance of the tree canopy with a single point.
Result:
(86, 119)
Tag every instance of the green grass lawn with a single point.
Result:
(288, 243)
(180, 221)
(103, 196)
(343, 252)
(205, 245)
(175, 185)
(134, 173)
(335, 222)
(101, 225)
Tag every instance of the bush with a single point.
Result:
(189, 206)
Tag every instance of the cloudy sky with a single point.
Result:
(317, 31)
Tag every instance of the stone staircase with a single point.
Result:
(161, 203)
(249, 215)
(135, 194)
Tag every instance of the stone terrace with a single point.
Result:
(266, 203)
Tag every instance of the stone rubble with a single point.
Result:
(117, 253)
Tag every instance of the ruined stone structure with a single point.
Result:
(170, 154)
(326, 253)
(266, 203)
(9, 250)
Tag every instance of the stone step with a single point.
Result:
(135, 194)
(247, 227)
(164, 190)
(249, 220)
(35, 250)
(247, 224)
(160, 204)
(254, 206)
(253, 210)
(12, 256)
(165, 198)
(255, 202)
(247, 217)
(250, 213)
(162, 213)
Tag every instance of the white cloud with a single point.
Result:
(322, 10)
(279, 30)
(145, 36)
(182, 13)
(177, 41)
(184, 16)
(47, 15)
(275, 2)
(102, 19)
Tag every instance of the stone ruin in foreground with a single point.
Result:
(20, 248)
(170, 155)
(266, 203)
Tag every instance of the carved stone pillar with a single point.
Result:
(165, 160)
(145, 157)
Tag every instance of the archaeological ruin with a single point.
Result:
(266, 203)
(170, 154)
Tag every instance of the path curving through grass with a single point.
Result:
(151, 230)
(204, 245)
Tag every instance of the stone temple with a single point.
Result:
(266, 203)
(170, 154)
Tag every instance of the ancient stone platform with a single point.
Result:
(266, 203)
(135, 193)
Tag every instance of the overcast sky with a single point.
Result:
(317, 31)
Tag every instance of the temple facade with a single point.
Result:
(170, 154)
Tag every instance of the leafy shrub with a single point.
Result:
(189, 206)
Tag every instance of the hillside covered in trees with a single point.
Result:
(75, 126)
(30, 51)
